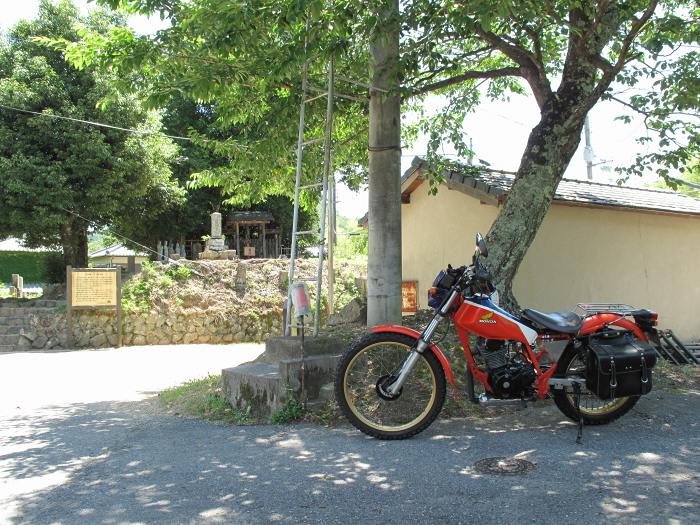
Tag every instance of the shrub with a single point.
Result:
(32, 266)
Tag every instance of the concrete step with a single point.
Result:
(11, 330)
(12, 339)
(44, 303)
(254, 385)
(283, 348)
(14, 321)
(264, 386)
(16, 311)
(7, 348)
(34, 303)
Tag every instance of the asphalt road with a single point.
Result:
(74, 450)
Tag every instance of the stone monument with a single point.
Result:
(216, 241)
(215, 247)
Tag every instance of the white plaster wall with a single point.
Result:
(580, 254)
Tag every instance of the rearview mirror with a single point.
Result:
(481, 246)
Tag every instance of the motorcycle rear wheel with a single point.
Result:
(595, 411)
(358, 387)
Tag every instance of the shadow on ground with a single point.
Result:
(125, 463)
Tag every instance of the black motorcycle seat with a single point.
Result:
(565, 322)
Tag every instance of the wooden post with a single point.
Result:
(238, 241)
(264, 242)
(119, 308)
(69, 306)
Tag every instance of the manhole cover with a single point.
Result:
(504, 466)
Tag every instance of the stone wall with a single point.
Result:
(97, 329)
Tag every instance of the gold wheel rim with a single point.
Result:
(350, 396)
(604, 407)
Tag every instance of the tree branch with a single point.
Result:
(610, 74)
(557, 18)
(469, 75)
(531, 68)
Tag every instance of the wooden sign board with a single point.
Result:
(409, 297)
(95, 288)
(249, 251)
(90, 288)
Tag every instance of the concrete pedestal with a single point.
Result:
(266, 383)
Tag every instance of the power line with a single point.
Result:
(124, 237)
(98, 124)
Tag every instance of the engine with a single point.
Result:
(509, 375)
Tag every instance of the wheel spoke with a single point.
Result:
(376, 361)
(590, 403)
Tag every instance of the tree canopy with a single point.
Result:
(55, 170)
(246, 58)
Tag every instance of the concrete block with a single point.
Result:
(318, 371)
(9, 339)
(327, 393)
(254, 385)
(284, 348)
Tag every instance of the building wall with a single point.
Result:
(108, 260)
(579, 255)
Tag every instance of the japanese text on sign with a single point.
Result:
(409, 297)
(94, 288)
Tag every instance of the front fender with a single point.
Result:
(416, 335)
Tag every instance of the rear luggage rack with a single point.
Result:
(612, 308)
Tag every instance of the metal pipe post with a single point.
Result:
(300, 148)
(328, 144)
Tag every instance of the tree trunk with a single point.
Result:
(551, 145)
(74, 242)
(384, 257)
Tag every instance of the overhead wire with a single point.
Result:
(98, 124)
(124, 237)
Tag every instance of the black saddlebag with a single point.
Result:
(618, 365)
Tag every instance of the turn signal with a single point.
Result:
(432, 291)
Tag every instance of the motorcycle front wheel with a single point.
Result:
(369, 365)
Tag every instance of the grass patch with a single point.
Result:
(328, 414)
(669, 376)
(204, 399)
(292, 410)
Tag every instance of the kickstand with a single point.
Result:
(577, 393)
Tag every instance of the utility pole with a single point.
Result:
(384, 250)
(588, 151)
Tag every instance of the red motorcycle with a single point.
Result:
(391, 383)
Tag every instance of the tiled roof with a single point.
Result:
(17, 245)
(117, 250)
(241, 216)
(497, 184)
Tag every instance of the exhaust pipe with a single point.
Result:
(560, 383)
(490, 402)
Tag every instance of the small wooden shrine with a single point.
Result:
(253, 234)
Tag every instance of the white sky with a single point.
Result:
(499, 130)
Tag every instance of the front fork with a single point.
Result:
(421, 346)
